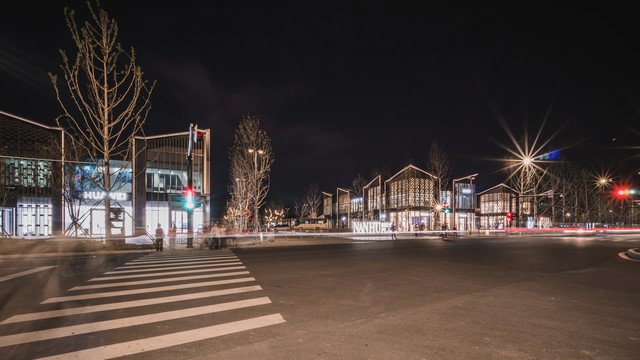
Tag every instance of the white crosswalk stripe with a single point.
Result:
(127, 267)
(173, 260)
(153, 302)
(126, 304)
(156, 281)
(159, 342)
(170, 268)
(108, 278)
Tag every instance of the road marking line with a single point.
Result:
(127, 267)
(126, 304)
(24, 273)
(164, 341)
(27, 337)
(181, 259)
(171, 268)
(156, 281)
(107, 278)
(144, 291)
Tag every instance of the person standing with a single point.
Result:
(159, 238)
(172, 237)
(393, 231)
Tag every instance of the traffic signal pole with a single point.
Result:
(190, 186)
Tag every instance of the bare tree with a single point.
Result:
(104, 100)
(438, 165)
(357, 184)
(312, 201)
(251, 160)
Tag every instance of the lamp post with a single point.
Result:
(453, 195)
(526, 164)
(257, 184)
(602, 183)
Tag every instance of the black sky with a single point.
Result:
(348, 87)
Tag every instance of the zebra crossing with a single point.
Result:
(138, 307)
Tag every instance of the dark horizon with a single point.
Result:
(347, 88)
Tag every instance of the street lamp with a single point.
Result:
(255, 168)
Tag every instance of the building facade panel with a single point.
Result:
(142, 192)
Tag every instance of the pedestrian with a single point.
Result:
(159, 238)
(393, 231)
(172, 237)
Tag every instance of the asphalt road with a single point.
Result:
(478, 298)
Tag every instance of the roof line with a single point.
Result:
(501, 184)
(374, 179)
(30, 121)
(410, 166)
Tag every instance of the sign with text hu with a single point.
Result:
(371, 227)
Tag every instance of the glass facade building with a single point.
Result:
(29, 154)
(146, 190)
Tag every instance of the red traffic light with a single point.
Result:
(625, 192)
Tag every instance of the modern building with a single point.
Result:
(29, 152)
(410, 199)
(147, 190)
(495, 204)
(464, 203)
(407, 199)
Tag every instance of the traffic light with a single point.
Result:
(622, 193)
(199, 137)
(189, 203)
(446, 208)
(509, 217)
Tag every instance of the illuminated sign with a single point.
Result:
(371, 227)
(100, 195)
(466, 191)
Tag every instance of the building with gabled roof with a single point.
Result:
(495, 203)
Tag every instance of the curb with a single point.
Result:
(634, 253)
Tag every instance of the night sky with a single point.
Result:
(349, 87)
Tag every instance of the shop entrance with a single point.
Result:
(34, 220)
(97, 221)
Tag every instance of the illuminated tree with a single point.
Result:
(251, 159)
(438, 165)
(103, 97)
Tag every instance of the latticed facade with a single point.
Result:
(406, 199)
(495, 203)
(372, 197)
(29, 152)
(410, 196)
